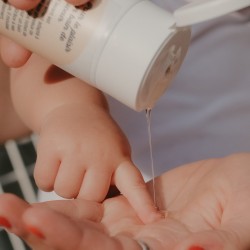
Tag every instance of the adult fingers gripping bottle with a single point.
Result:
(129, 49)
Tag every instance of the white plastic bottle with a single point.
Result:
(129, 49)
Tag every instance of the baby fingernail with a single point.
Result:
(164, 213)
(196, 248)
(36, 232)
(153, 217)
(4, 223)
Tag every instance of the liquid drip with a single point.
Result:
(148, 116)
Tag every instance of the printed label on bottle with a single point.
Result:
(55, 29)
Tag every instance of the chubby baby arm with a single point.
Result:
(81, 151)
(11, 126)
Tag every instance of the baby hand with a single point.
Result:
(80, 154)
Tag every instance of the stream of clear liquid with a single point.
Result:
(148, 117)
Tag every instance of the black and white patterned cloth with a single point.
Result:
(17, 160)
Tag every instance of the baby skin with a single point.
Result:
(11, 125)
(81, 151)
(208, 204)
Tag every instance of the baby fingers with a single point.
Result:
(129, 181)
(95, 184)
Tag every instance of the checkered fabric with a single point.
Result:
(17, 160)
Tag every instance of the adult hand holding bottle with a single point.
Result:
(12, 53)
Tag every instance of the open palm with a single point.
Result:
(207, 202)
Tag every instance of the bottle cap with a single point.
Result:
(148, 46)
(204, 10)
(142, 56)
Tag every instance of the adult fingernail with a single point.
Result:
(196, 248)
(35, 231)
(4, 223)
